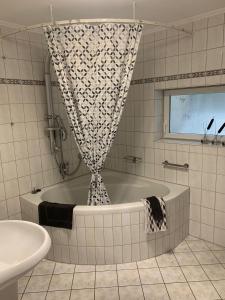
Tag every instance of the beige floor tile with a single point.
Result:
(22, 283)
(45, 267)
(85, 294)
(34, 296)
(220, 287)
(147, 263)
(178, 291)
(58, 295)
(107, 293)
(38, 283)
(214, 246)
(191, 238)
(61, 282)
(106, 279)
(85, 268)
(105, 268)
(127, 266)
(131, 293)
(194, 273)
(172, 274)
(182, 247)
(186, 259)
(214, 272)
(84, 280)
(220, 255)
(167, 260)
(198, 245)
(128, 277)
(206, 257)
(29, 273)
(150, 276)
(62, 268)
(204, 290)
(155, 292)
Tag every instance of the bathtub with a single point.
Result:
(113, 233)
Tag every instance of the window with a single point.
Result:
(187, 112)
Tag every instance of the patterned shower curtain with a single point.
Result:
(94, 66)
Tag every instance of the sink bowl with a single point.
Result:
(23, 245)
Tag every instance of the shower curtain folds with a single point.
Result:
(94, 66)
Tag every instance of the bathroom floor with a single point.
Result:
(194, 270)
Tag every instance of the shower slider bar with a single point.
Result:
(133, 159)
(168, 164)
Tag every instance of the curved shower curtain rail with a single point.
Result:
(95, 21)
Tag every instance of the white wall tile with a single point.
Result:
(214, 59)
(199, 40)
(208, 199)
(215, 37)
(9, 170)
(12, 68)
(198, 61)
(216, 20)
(7, 152)
(9, 48)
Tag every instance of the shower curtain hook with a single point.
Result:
(134, 9)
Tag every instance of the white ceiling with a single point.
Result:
(27, 12)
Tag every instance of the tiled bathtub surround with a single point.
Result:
(113, 234)
(194, 270)
(163, 57)
(25, 160)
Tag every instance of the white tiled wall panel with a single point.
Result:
(140, 132)
(25, 158)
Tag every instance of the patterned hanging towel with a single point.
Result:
(155, 214)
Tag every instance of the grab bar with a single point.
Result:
(168, 164)
(133, 159)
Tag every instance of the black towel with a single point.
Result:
(156, 208)
(56, 214)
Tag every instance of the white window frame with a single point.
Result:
(187, 91)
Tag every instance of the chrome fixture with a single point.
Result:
(133, 159)
(35, 190)
(56, 129)
(172, 165)
(216, 141)
(205, 139)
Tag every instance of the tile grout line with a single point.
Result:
(50, 281)
(162, 278)
(140, 281)
(74, 271)
(191, 251)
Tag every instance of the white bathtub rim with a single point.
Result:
(174, 191)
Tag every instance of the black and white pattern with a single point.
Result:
(94, 66)
(151, 225)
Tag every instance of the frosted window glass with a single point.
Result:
(191, 114)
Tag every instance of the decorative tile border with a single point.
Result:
(24, 81)
(133, 82)
(21, 81)
(179, 76)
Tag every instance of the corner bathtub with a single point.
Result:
(112, 233)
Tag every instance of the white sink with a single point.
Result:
(22, 246)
